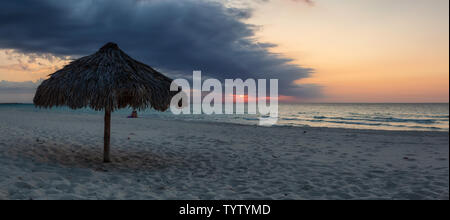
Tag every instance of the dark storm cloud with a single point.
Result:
(17, 92)
(179, 36)
(14, 86)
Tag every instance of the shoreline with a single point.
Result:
(158, 117)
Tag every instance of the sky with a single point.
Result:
(321, 50)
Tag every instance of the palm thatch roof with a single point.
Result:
(107, 80)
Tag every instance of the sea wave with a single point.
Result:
(434, 117)
(382, 119)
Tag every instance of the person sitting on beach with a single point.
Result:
(133, 114)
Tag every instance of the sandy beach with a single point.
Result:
(47, 155)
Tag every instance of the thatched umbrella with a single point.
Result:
(106, 81)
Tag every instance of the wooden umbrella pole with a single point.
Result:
(106, 158)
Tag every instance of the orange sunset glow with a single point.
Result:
(362, 53)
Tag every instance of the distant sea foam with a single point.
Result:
(424, 117)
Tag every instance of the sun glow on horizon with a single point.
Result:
(365, 51)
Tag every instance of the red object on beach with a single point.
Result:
(134, 114)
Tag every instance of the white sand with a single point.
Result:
(58, 156)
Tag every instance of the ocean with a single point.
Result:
(422, 117)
